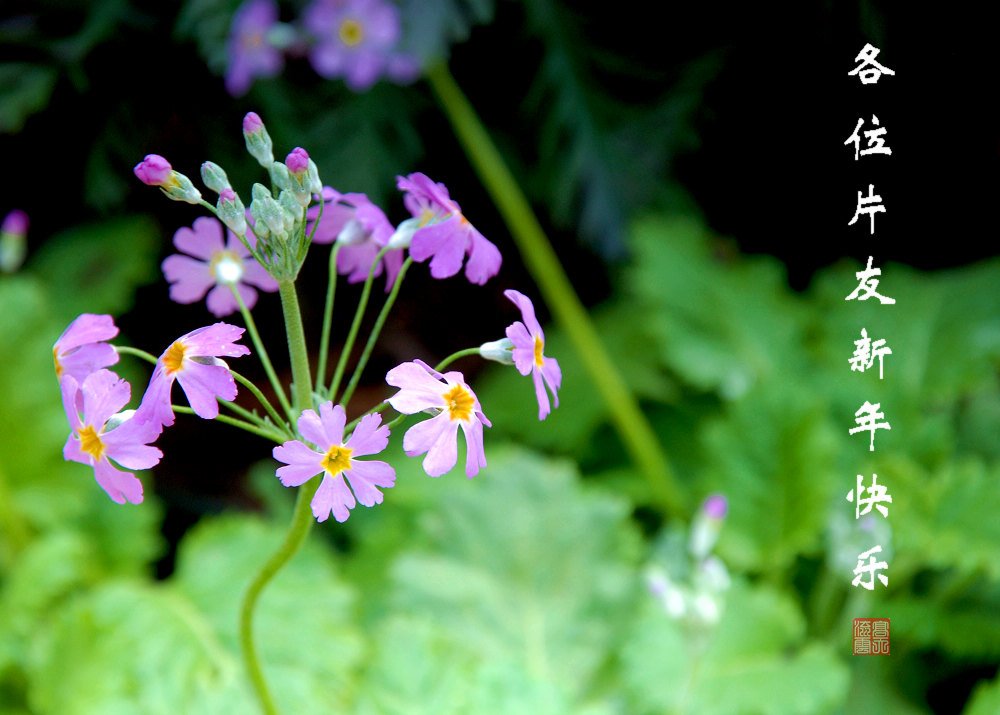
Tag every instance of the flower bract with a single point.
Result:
(193, 361)
(214, 267)
(445, 236)
(89, 407)
(337, 460)
(529, 344)
(455, 405)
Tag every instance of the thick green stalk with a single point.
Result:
(272, 376)
(302, 518)
(376, 330)
(634, 429)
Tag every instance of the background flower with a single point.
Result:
(250, 53)
(214, 268)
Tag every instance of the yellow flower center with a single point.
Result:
(538, 351)
(459, 403)
(174, 359)
(90, 442)
(351, 32)
(55, 359)
(337, 460)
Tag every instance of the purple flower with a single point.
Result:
(193, 360)
(154, 170)
(529, 342)
(215, 265)
(363, 230)
(355, 39)
(421, 388)
(250, 53)
(89, 407)
(445, 235)
(336, 461)
(81, 349)
(15, 222)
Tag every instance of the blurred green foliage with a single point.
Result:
(522, 590)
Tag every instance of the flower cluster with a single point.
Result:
(94, 397)
(262, 247)
(353, 40)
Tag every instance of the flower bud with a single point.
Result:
(213, 176)
(13, 231)
(180, 188)
(707, 525)
(297, 161)
(314, 184)
(257, 139)
(500, 351)
(154, 170)
(232, 212)
(292, 208)
(404, 233)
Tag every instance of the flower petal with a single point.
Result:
(484, 258)
(366, 476)
(86, 328)
(438, 438)
(202, 240)
(203, 383)
(189, 278)
(527, 309)
(475, 454)
(302, 463)
(332, 496)
(120, 486)
(368, 438)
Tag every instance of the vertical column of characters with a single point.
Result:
(871, 635)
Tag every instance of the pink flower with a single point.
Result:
(445, 235)
(336, 461)
(424, 388)
(529, 342)
(154, 170)
(215, 265)
(193, 360)
(250, 53)
(93, 442)
(363, 230)
(81, 349)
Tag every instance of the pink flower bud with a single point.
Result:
(154, 170)
(16, 222)
(252, 123)
(227, 195)
(297, 161)
(716, 506)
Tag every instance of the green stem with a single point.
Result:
(272, 376)
(455, 356)
(302, 518)
(126, 350)
(634, 429)
(324, 341)
(379, 322)
(278, 421)
(355, 326)
(242, 424)
(353, 423)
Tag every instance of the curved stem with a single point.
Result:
(353, 423)
(126, 350)
(633, 427)
(302, 519)
(355, 325)
(455, 356)
(242, 424)
(324, 340)
(379, 322)
(272, 376)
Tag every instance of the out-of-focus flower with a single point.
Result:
(251, 53)
(13, 231)
(193, 360)
(529, 342)
(356, 40)
(362, 230)
(82, 350)
(215, 265)
(707, 524)
(421, 387)
(444, 235)
(337, 460)
(96, 438)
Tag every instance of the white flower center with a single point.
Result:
(227, 267)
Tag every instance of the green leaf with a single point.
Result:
(754, 661)
(27, 88)
(985, 699)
